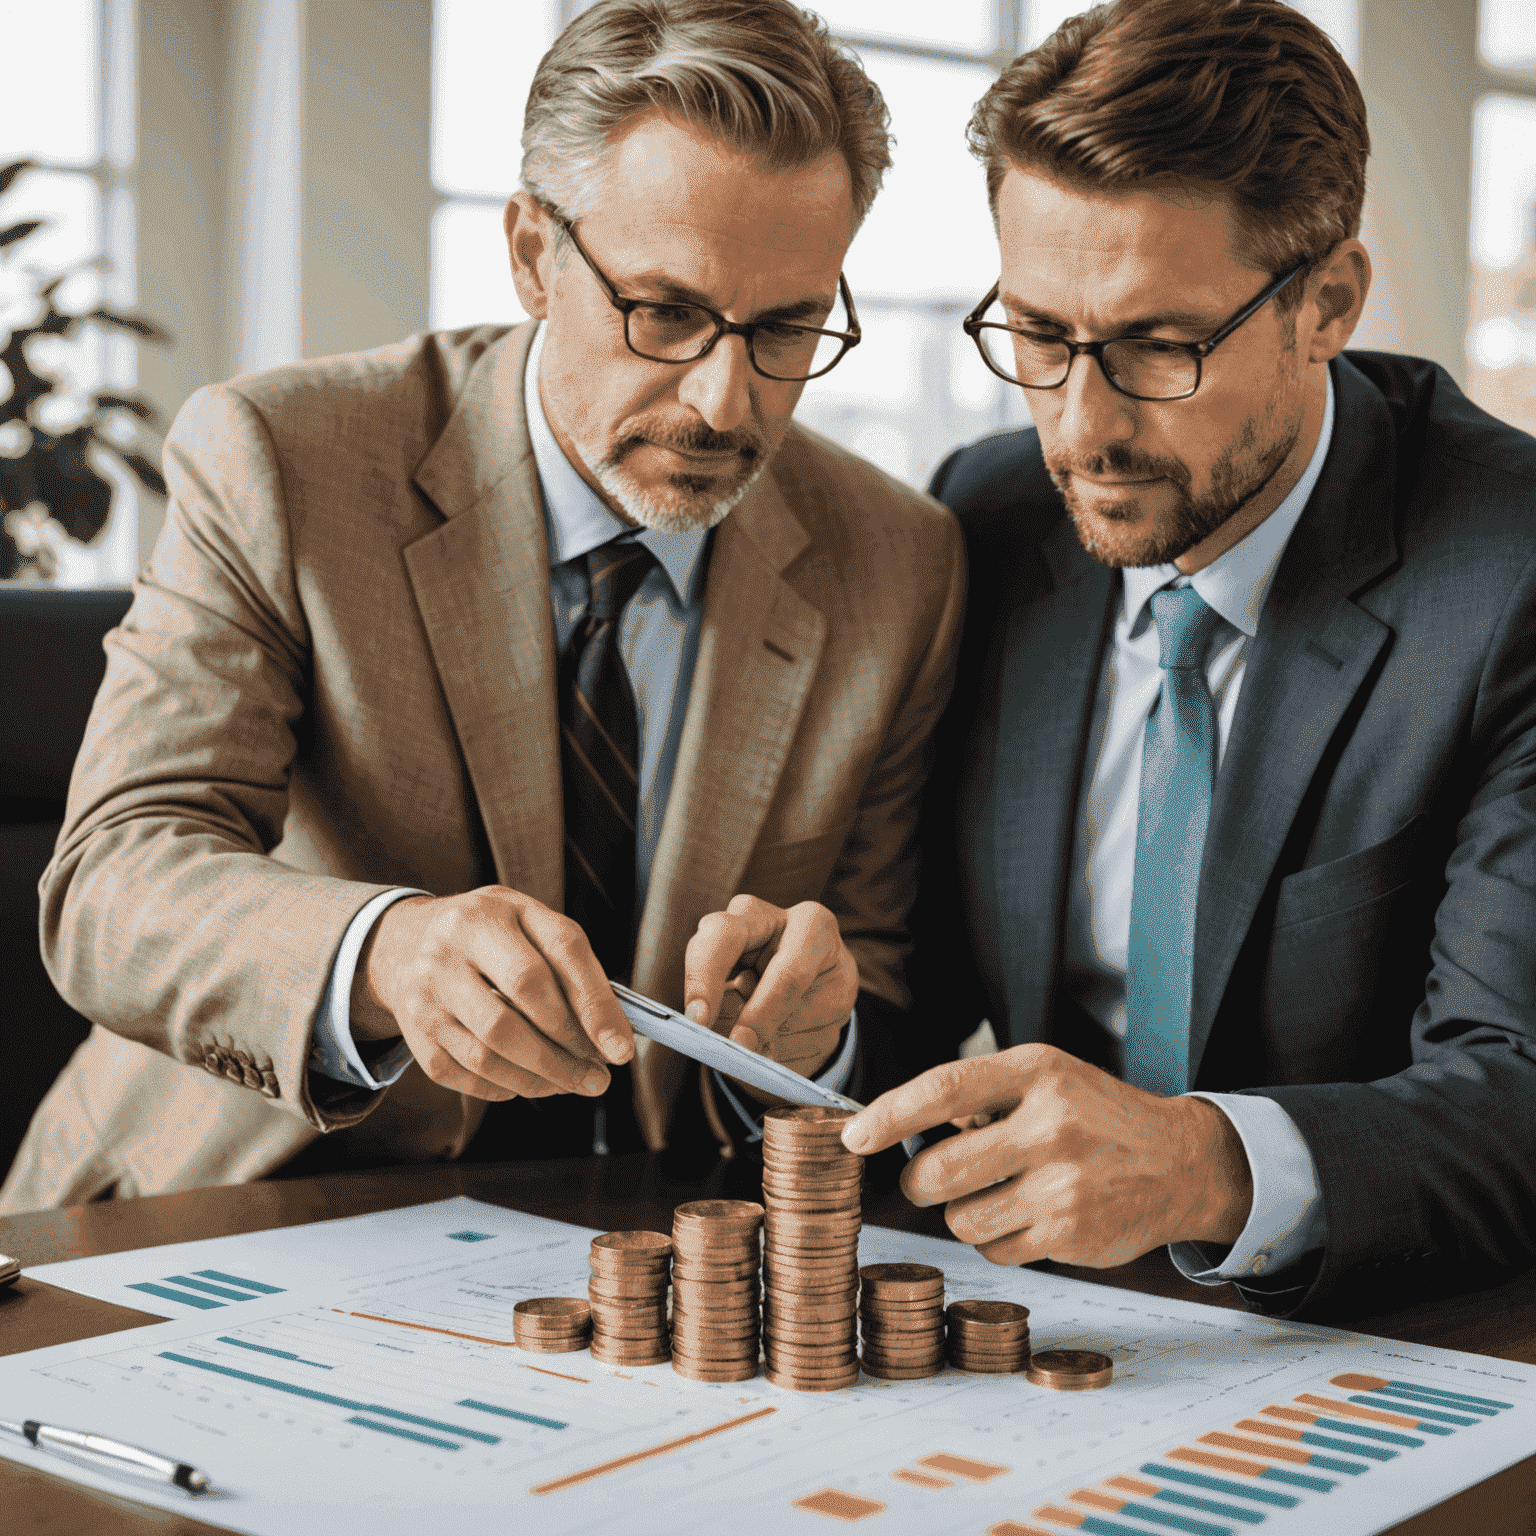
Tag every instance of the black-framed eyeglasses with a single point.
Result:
(683, 333)
(1139, 366)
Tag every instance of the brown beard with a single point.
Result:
(1247, 464)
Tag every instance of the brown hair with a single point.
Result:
(765, 76)
(1246, 100)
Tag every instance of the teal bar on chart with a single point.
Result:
(405, 1434)
(511, 1413)
(203, 1285)
(1220, 1485)
(186, 1298)
(282, 1354)
(250, 1285)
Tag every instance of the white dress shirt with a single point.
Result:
(659, 640)
(1287, 1217)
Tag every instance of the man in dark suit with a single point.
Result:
(1237, 793)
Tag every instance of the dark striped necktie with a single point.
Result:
(600, 759)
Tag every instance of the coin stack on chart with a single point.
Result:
(988, 1336)
(716, 1269)
(901, 1318)
(628, 1295)
(551, 1325)
(811, 1255)
(1070, 1370)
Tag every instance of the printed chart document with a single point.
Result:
(359, 1375)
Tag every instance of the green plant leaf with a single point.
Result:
(9, 173)
(15, 232)
(134, 323)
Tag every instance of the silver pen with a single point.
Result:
(111, 1454)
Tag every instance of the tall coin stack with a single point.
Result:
(901, 1316)
(628, 1297)
(988, 1336)
(716, 1267)
(811, 1256)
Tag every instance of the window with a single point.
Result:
(74, 115)
(1501, 336)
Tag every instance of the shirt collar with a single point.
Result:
(1236, 583)
(575, 518)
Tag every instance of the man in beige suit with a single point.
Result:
(337, 801)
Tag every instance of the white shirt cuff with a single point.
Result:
(333, 1052)
(1287, 1219)
(835, 1076)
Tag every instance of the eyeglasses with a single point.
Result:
(683, 333)
(1138, 366)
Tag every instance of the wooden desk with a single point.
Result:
(604, 1193)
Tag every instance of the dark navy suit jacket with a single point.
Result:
(1365, 946)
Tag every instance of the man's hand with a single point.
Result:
(496, 995)
(807, 981)
(1072, 1164)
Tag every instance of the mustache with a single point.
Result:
(689, 437)
(1119, 460)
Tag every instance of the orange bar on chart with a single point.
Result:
(839, 1505)
(921, 1479)
(1256, 1448)
(1013, 1528)
(1355, 1411)
(1061, 1516)
(964, 1466)
(1133, 1485)
(1217, 1463)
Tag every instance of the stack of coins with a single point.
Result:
(901, 1316)
(717, 1260)
(628, 1294)
(811, 1256)
(1070, 1370)
(551, 1325)
(988, 1336)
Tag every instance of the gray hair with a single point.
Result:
(765, 76)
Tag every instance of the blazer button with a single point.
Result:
(233, 1073)
(269, 1088)
(251, 1077)
(211, 1062)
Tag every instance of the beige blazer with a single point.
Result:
(338, 676)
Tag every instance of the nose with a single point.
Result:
(1091, 412)
(720, 386)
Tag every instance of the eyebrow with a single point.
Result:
(671, 291)
(1171, 319)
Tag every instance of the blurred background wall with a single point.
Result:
(277, 179)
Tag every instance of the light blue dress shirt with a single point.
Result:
(659, 640)
(1287, 1218)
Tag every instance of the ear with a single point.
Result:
(1335, 298)
(531, 248)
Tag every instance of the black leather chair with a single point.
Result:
(51, 664)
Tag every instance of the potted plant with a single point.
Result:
(53, 480)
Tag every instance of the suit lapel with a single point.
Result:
(1313, 652)
(1049, 679)
(481, 582)
(758, 654)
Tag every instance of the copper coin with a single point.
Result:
(630, 1344)
(571, 1309)
(793, 1165)
(838, 1375)
(902, 1282)
(988, 1314)
(788, 1224)
(843, 1250)
(901, 1372)
(989, 1352)
(781, 1115)
(789, 1330)
(903, 1322)
(648, 1247)
(712, 1359)
(1070, 1370)
(822, 1312)
(722, 1215)
(716, 1253)
(661, 1357)
(631, 1301)
(552, 1346)
(743, 1372)
(795, 1384)
(692, 1269)
(629, 1327)
(805, 1355)
(988, 1368)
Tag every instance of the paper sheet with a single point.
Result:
(370, 1386)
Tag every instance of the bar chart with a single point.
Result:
(382, 1386)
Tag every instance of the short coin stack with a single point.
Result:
(811, 1187)
(1070, 1370)
(901, 1316)
(717, 1262)
(551, 1325)
(988, 1336)
(628, 1295)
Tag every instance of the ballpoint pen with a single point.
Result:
(113, 1455)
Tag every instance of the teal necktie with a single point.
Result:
(1178, 771)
